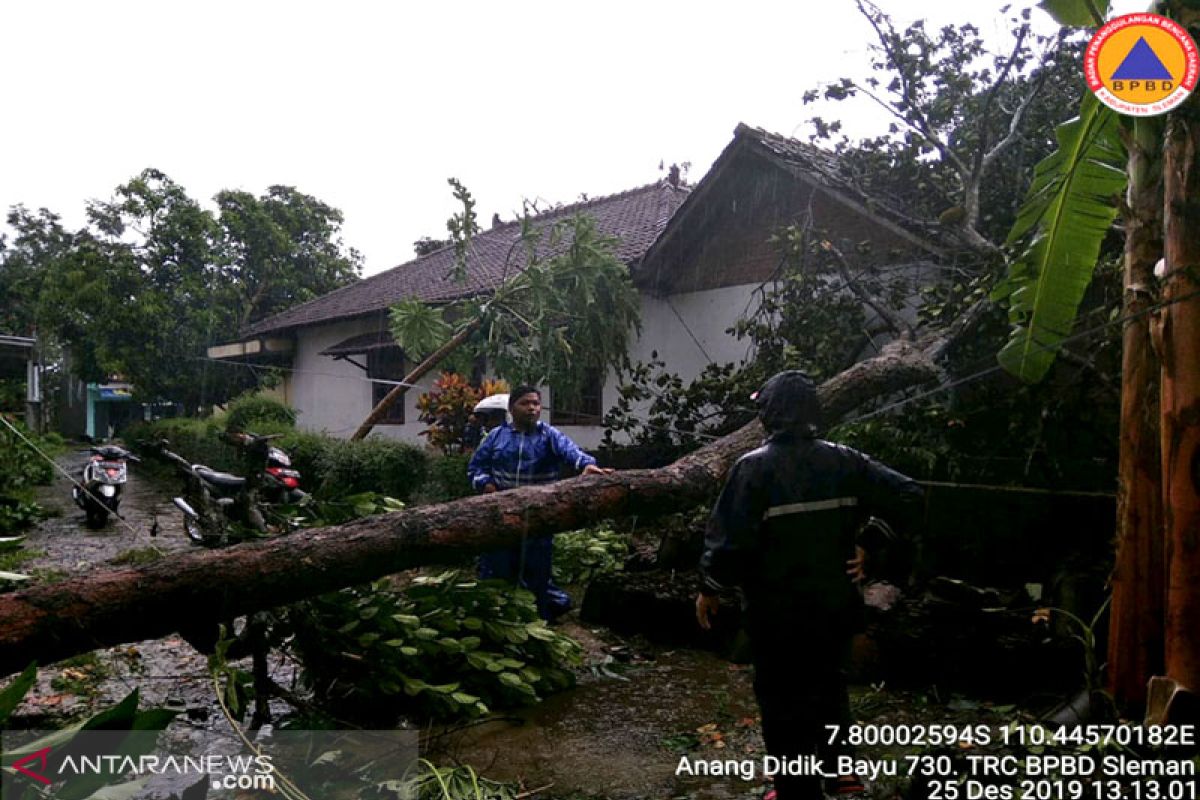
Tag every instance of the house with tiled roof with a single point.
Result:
(338, 348)
(699, 258)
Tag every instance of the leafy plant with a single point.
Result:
(448, 646)
(124, 716)
(245, 413)
(17, 514)
(1084, 633)
(23, 465)
(1070, 207)
(447, 407)
(584, 555)
(138, 556)
(321, 511)
(448, 783)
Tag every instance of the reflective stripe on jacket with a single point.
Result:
(509, 458)
(785, 523)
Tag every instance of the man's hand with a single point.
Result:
(707, 605)
(592, 469)
(856, 567)
(488, 488)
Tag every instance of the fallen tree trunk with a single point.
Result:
(103, 608)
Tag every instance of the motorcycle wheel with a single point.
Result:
(97, 518)
(191, 527)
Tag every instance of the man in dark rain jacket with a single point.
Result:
(785, 529)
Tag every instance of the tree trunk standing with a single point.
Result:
(1181, 393)
(1138, 612)
(50, 622)
(419, 371)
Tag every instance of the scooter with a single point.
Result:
(212, 500)
(101, 483)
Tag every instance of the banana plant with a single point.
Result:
(1069, 208)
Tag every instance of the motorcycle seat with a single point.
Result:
(223, 479)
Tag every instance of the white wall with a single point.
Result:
(688, 332)
(334, 396)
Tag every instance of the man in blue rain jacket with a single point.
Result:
(527, 453)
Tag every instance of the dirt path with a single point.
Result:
(166, 671)
(620, 734)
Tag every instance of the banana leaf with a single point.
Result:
(1069, 208)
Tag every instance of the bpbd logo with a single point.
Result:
(1142, 64)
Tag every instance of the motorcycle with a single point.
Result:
(215, 503)
(101, 483)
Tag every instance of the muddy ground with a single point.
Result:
(621, 733)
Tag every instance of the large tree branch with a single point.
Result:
(1018, 117)
(50, 622)
(890, 317)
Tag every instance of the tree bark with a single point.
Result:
(50, 622)
(1138, 612)
(419, 371)
(1181, 393)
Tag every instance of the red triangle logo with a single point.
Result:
(40, 755)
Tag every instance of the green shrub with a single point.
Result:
(332, 467)
(393, 468)
(250, 411)
(18, 513)
(448, 646)
(23, 465)
(309, 453)
(581, 556)
(196, 440)
(446, 479)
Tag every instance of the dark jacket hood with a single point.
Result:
(787, 404)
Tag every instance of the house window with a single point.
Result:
(588, 408)
(387, 363)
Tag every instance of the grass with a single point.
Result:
(137, 557)
(11, 561)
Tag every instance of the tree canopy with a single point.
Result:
(154, 279)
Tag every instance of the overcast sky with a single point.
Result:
(371, 106)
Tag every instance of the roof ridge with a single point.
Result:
(662, 185)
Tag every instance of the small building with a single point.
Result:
(97, 411)
(699, 257)
(19, 363)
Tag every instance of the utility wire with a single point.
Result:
(68, 475)
(712, 437)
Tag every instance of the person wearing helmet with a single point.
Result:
(786, 530)
(526, 453)
(488, 414)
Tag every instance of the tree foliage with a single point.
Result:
(154, 279)
(562, 314)
(960, 113)
(969, 127)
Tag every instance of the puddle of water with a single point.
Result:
(611, 736)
